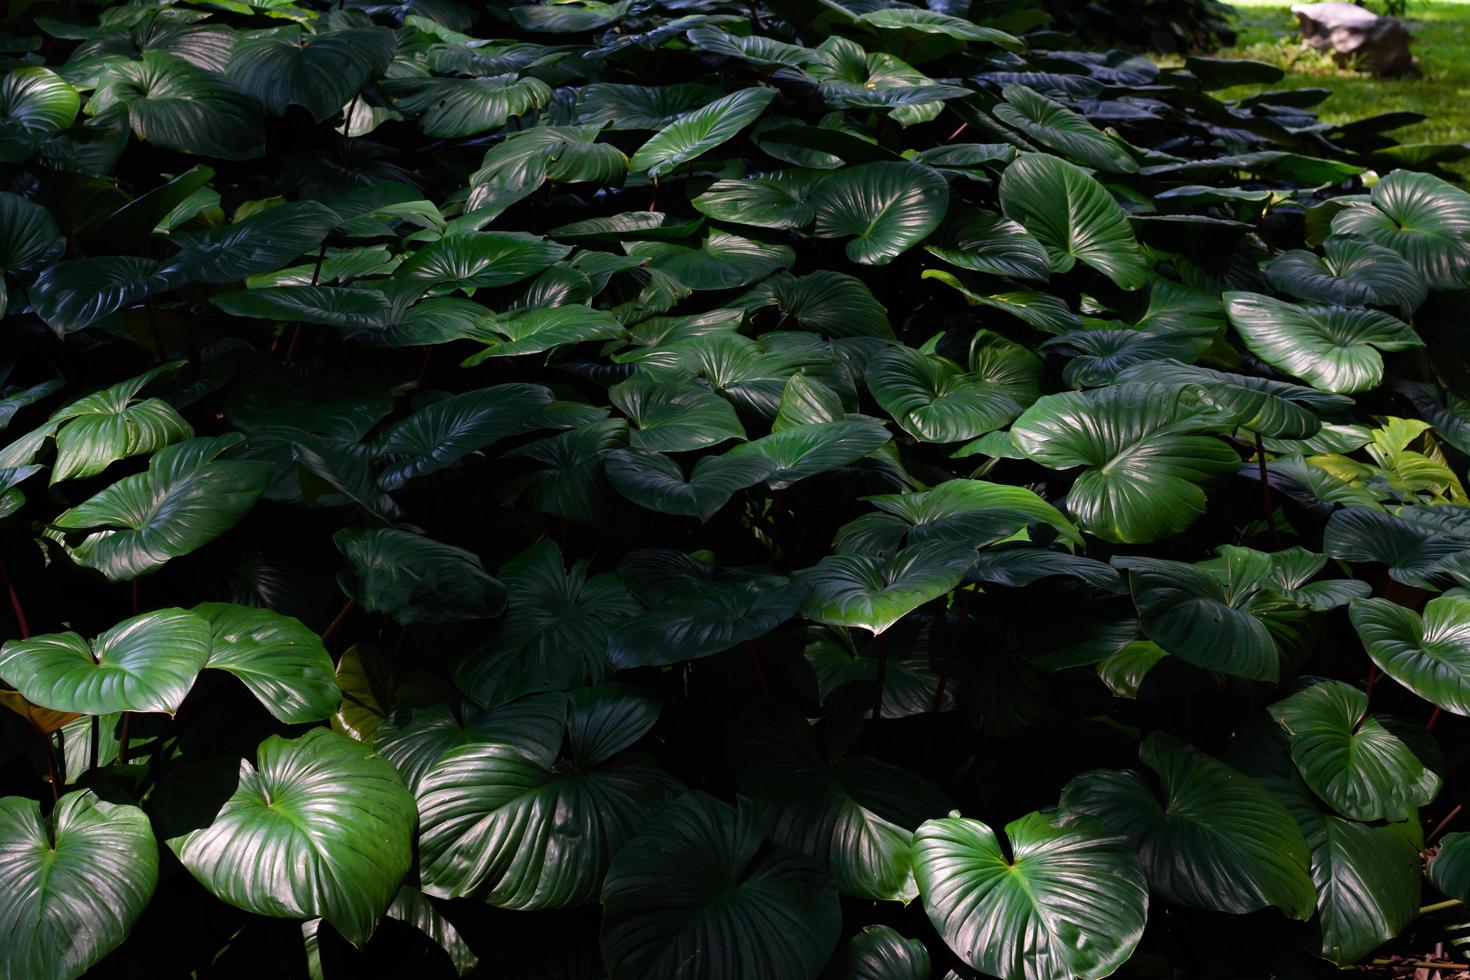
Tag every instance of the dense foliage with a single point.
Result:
(705, 489)
(1170, 26)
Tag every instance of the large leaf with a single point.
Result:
(1423, 218)
(185, 499)
(668, 418)
(1144, 451)
(700, 131)
(555, 632)
(1352, 272)
(696, 894)
(439, 435)
(1063, 898)
(656, 482)
(455, 107)
(1218, 840)
(283, 663)
(519, 831)
(177, 106)
(936, 400)
(320, 72)
(111, 424)
(1060, 129)
(416, 579)
(854, 815)
(489, 258)
(881, 953)
(75, 882)
(1332, 347)
(984, 242)
(1429, 656)
(1365, 767)
(887, 208)
(147, 663)
(318, 826)
(875, 592)
(261, 242)
(1073, 216)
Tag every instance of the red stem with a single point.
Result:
(1434, 717)
(1372, 679)
(760, 673)
(20, 613)
(332, 628)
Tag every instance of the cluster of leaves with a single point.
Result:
(761, 490)
(1172, 26)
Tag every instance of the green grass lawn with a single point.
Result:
(1441, 90)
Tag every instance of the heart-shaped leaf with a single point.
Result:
(700, 131)
(416, 579)
(888, 208)
(147, 663)
(697, 891)
(320, 72)
(283, 663)
(874, 593)
(318, 826)
(1065, 899)
(1429, 656)
(75, 882)
(1059, 128)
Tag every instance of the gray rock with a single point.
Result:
(1356, 37)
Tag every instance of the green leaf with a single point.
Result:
(30, 237)
(283, 663)
(439, 435)
(1353, 272)
(320, 72)
(412, 907)
(318, 826)
(73, 295)
(1276, 409)
(334, 306)
(873, 592)
(973, 512)
(935, 400)
(881, 953)
(1212, 618)
(1421, 217)
(698, 611)
(481, 259)
(1331, 347)
(888, 208)
(721, 261)
(415, 579)
(985, 242)
(1059, 128)
(1362, 765)
(185, 499)
(533, 331)
(1449, 869)
(1066, 899)
(774, 200)
(555, 632)
(261, 242)
(1073, 216)
(1218, 841)
(630, 107)
(696, 893)
(34, 102)
(1414, 553)
(656, 482)
(458, 107)
(674, 418)
(1145, 456)
(804, 451)
(75, 882)
(522, 833)
(111, 424)
(1429, 656)
(147, 663)
(854, 815)
(831, 303)
(932, 22)
(177, 106)
(700, 131)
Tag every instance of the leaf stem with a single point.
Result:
(1439, 827)
(20, 613)
(1266, 493)
(760, 673)
(882, 672)
(55, 771)
(337, 622)
(1440, 906)
(122, 738)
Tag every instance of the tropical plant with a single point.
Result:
(708, 489)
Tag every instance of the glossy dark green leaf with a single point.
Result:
(416, 579)
(75, 882)
(886, 208)
(1423, 218)
(936, 400)
(874, 593)
(1365, 767)
(882, 953)
(320, 72)
(697, 894)
(1429, 655)
(185, 499)
(177, 106)
(147, 663)
(700, 131)
(1064, 897)
(439, 435)
(1145, 454)
(1218, 840)
(1073, 216)
(283, 663)
(1059, 128)
(984, 242)
(457, 107)
(1352, 272)
(317, 826)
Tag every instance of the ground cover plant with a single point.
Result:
(718, 489)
